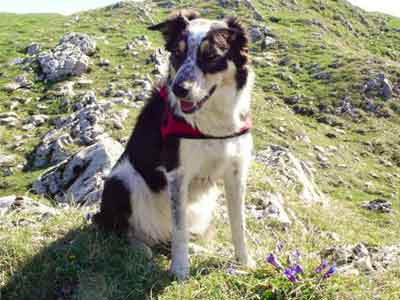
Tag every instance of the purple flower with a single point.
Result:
(330, 272)
(298, 269)
(273, 261)
(291, 274)
(321, 267)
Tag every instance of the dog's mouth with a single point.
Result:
(189, 107)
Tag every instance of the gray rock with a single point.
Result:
(255, 34)
(370, 85)
(51, 150)
(24, 204)
(341, 255)
(36, 120)
(387, 257)
(385, 86)
(81, 40)
(379, 86)
(9, 121)
(5, 204)
(268, 42)
(17, 61)
(7, 161)
(80, 178)
(83, 83)
(322, 75)
(33, 49)
(63, 61)
(270, 206)
(160, 59)
(292, 173)
(104, 62)
(378, 205)
(364, 264)
(23, 82)
(68, 58)
(81, 128)
(8, 115)
(360, 250)
(11, 87)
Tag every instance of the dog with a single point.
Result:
(194, 129)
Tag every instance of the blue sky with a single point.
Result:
(71, 6)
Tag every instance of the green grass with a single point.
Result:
(66, 258)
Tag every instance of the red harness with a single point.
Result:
(178, 127)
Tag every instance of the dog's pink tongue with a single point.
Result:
(187, 105)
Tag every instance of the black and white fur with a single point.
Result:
(162, 191)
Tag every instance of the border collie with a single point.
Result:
(193, 130)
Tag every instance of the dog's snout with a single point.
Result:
(180, 90)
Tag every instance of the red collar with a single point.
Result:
(178, 127)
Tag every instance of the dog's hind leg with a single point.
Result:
(139, 245)
(235, 189)
(180, 233)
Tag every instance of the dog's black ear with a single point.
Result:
(238, 40)
(174, 25)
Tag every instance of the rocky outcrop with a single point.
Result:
(18, 204)
(79, 179)
(361, 258)
(80, 128)
(379, 86)
(291, 173)
(69, 58)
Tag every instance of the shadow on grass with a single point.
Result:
(87, 264)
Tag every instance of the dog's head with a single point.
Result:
(206, 57)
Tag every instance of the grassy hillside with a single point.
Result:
(309, 99)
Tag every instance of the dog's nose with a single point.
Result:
(179, 90)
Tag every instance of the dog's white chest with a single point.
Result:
(210, 158)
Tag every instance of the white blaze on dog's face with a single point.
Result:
(206, 55)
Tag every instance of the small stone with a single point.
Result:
(331, 235)
(319, 149)
(104, 62)
(11, 87)
(378, 205)
(322, 75)
(268, 42)
(255, 34)
(7, 161)
(33, 49)
(364, 264)
(117, 124)
(84, 83)
(9, 121)
(360, 250)
(23, 82)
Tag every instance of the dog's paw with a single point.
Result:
(247, 262)
(179, 271)
(251, 263)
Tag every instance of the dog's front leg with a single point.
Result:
(235, 190)
(179, 247)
